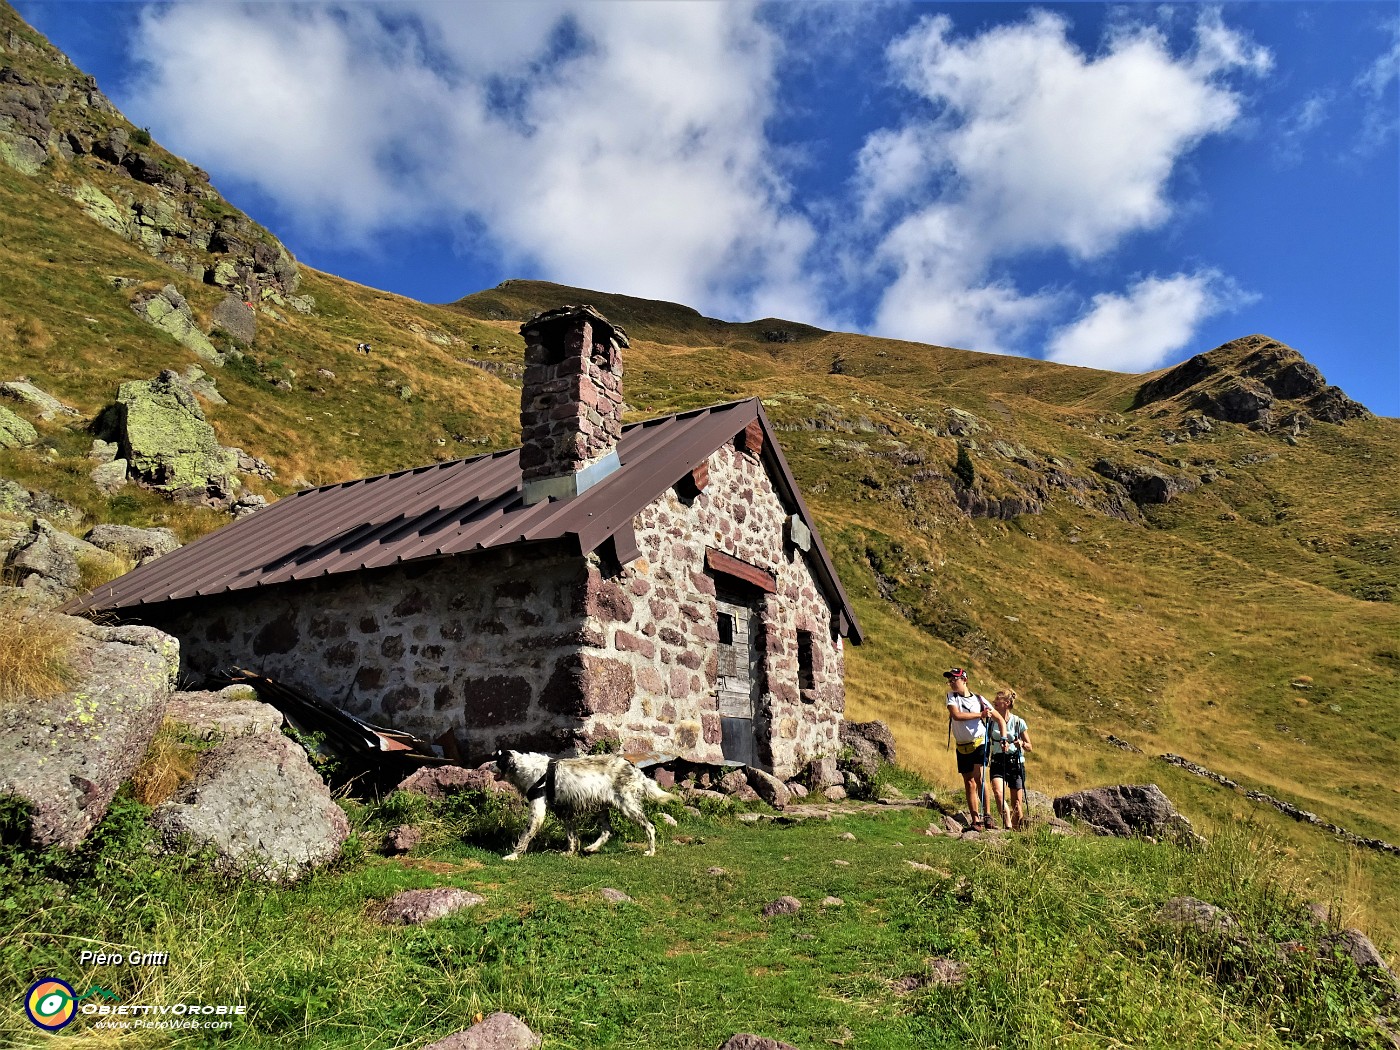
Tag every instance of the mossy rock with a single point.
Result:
(166, 440)
(15, 432)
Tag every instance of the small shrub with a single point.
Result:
(963, 468)
(34, 652)
(141, 136)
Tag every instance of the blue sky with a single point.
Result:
(1118, 186)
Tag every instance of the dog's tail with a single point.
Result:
(656, 794)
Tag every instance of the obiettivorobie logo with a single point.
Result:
(52, 1004)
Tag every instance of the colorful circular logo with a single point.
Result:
(51, 1004)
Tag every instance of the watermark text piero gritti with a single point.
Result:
(87, 958)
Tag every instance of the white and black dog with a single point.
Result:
(574, 787)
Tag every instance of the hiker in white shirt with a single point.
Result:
(1008, 765)
(969, 712)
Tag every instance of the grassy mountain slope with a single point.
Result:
(1177, 627)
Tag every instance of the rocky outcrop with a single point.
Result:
(56, 125)
(168, 311)
(1127, 810)
(1146, 485)
(48, 406)
(1256, 381)
(136, 545)
(18, 500)
(978, 504)
(258, 805)
(66, 756)
(48, 564)
(163, 435)
(15, 432)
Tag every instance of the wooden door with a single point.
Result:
(740, 678)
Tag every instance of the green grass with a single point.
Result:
(1059, 936)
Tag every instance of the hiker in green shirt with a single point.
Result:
(1008, 766)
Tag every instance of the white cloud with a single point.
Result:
(1026, 144)
(617, 145)
(1143, 328)
(1379, 122)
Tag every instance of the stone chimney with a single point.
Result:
(571, 404)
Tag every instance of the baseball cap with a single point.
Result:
(956, 672)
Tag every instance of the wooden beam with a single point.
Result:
(728, 565)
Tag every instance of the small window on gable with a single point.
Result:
(726, 629)
(806, 673)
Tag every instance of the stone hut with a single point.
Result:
(660, 585)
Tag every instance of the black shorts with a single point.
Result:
(967, 763)
(1010, 769)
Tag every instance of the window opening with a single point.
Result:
(806, 675)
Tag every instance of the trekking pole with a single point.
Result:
(986, 760)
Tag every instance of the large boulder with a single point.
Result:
(134, 544)
(769, 788)
(15, 432)
(822, 772)
(236, 319)
(49, 565)
(167, 442)
(1126, 810)
(217, 716)
(877, 733)
(65, 756)
(258, 804)
(168, 311)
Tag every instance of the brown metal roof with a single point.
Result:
(452, 508)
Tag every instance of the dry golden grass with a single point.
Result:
(169, 762)
(34, 652)
(94, 571)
